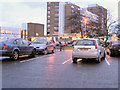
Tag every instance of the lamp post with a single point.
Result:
(85, 20)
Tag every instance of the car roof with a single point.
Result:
(88, 39)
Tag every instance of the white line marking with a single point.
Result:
(33, 59)
(66, 61)
(107, 61)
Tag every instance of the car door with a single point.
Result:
(18, 44)
(28, 48)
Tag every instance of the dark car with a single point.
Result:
(16, 47)
(114, 48)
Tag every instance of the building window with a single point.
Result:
(48, 21)
(48, 12)
(2, 31)
(57, 3)
(72, 6)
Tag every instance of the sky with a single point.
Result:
(13, 13)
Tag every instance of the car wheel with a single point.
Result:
(53, 51)
(45, 52)
(15, 55)
(104, 55)
(74, 60)
(33, 53)
(110, 53)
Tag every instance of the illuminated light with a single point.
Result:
(2, 31)
(95, 44)
(49, 2)
(48, 7)
(5, 47)
(78, 8)
(7, 31)
(72, 6)
(115, 45)
(85, 19)
(37, 34)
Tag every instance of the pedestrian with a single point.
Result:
(60, 44)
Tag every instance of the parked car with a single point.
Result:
(64, 43)
(43, 45)
(88, 48)
(73, 43)
(69, 42)
(16, 47)
(56, 43)
(113, 48)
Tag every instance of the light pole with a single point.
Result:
(85, 20)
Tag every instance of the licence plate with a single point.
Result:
(83, 49)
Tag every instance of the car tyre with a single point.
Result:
(111, 53)
(74, 60)
(45, 52)
(53, 51)
(15, 55)
(104, 55)
(33, 53)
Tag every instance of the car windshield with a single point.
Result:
(116, 42)
(40, 41)
(85, 42)
(6, 40)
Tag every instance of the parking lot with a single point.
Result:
(57, 71)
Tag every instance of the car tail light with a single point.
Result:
(95, 44)
(5, 47)
(115, 45)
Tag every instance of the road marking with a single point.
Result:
(32, 59)
(107, 61)
(67, 61)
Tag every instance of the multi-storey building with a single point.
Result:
(102, 14)
(92, 21)
(57, 17)
(72, 12)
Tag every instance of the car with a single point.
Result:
(63, 43)
(113, 48)
(56, 43)
(69, 42)
(73, 43)
(88, 48)
(15, 47)
(43, 45)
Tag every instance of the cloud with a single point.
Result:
(14, 14)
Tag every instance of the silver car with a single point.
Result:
(43, 45)
(88, 48)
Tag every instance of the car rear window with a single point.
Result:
(85, 42)
(116, 42)
(40, 41)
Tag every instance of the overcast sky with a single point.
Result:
(15, 12)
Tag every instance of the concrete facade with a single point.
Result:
(102, 13)
(35, 30)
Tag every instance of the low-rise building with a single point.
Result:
(10, 32)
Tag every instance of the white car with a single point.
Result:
(88, 48)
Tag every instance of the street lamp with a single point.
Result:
(85, 20)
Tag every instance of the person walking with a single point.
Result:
(61, 46)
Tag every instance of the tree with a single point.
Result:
(75, 22)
